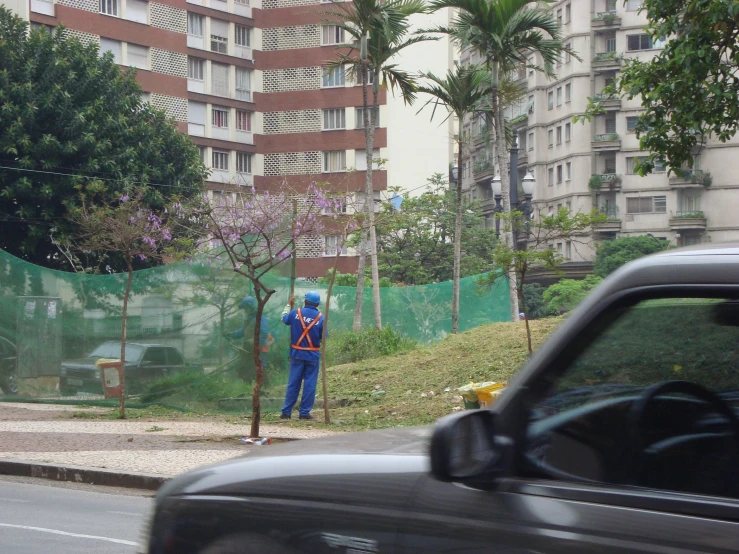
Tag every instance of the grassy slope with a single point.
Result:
(488, 353)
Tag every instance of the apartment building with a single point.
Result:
(248, 81)
(591, 166)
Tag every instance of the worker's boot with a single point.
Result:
(309, 417)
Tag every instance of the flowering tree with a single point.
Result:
(129, 228)
(256, 232)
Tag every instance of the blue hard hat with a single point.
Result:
(312, 297)
(249, 302)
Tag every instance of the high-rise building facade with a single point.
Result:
(249, 81)
(591, 166)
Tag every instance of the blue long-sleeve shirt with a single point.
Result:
(249, 324)
(291, 319)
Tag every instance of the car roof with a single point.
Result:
(143, 344)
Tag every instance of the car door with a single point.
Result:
(624, 442)
(154, 363)
(175, 361)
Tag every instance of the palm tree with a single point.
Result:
(380, 32)
(506, 33)
(460, 92)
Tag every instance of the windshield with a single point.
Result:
(113, 350)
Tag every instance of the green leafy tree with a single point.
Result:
(566, 294)
(75, 130)
(506, 33)
(612, 254)
(533, 295)
(690, 89)
(542, 231)
(460, 93)
(416, 241)
(380, 31)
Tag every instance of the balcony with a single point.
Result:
(605, 142)
(612, 224)
(606, 21)
(609, 102)
(691, 178)
(520, 120)
(482, 136)
(606, 61)
(687, 221)
(483, 169)
(523, 158)
(605, 181)
(488, 205)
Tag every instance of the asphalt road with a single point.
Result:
(43, 519)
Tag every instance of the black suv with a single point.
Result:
(144, 362)
(619, 435)
(8, 375)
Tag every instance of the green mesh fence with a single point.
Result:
(54, 324)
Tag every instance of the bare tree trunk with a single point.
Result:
(256, 408)
(360, 281)
(501, 150)
(370, 192)
(457, 242)
(324, 378)
(124, 314)
(526, 316)
(221, 330)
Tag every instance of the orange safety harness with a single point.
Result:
(305, 335)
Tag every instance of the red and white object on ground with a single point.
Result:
(110, 376)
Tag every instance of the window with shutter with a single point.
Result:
(112, 46)
(219, 79)
(196, 112)
(610, 163)
(137, 10)
(550, 173)
(611, 125)
(138, 56)
(219, 36)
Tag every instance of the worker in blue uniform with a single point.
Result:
(247, 369)
(306, 330)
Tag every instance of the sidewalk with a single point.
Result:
(45, 433)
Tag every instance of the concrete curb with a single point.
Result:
(78, 474)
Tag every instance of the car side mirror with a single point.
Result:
(465, 449)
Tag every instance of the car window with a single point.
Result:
(156, 356)
(113, 350)
(174, 357)
(605, 420)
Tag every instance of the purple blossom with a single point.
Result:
(124, 199)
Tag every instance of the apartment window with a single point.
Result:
(220, 117)
(531, 142)
(633, 5)
(112, 46)
(243, 162)
(559, 96)
(550, 173)
(568, 172)
(195, 24)
(568, 132)
(568, 13)
(202, 151)
(631, 122)
(559, 134)
(609, 163)
(332, 246)
(360, 117)
(195, 69)
(568, 56)
(610, 124)
(646, 205)
(109, 7)
(611, 5)
(531, 63)
(639, 42)
(691, 203)
(334, 119)
(243, 120)
(550, 135)
(610, 39)
(568, 92)
(219, 85)
(332, 34)
(559, 17)
(568, 249)
(137, 10)
(659, 166)
(550, 100)
(559, 173)
(568, 205)
(138, 56)
(219, 36)
(361, 159)
(333, 77)
(243, 35)
(243, 84)
(334, 161)
(220, 160)
(631, 163)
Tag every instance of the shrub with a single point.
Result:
(612, 254)
(533, 294)
(350, 346)
(568, 293)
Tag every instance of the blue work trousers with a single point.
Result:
(303, 372)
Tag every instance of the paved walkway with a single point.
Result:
(44, 433)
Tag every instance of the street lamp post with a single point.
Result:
(453, 173)
(528, 183)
